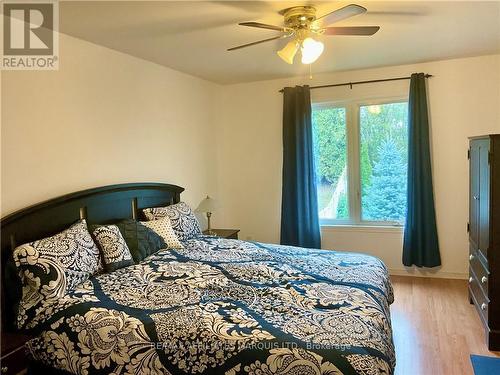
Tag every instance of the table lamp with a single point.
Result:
(208, 205)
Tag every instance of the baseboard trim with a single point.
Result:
(429, 274)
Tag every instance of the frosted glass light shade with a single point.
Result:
(288, 52)
(311, 50)
(207, 205)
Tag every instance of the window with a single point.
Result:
(330, 148)
(361, 162)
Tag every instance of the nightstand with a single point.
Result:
(225, 233)
(14, 361)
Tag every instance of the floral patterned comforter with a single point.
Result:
(224, 306)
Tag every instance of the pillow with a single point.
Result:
(181, 218)
(141, 240)
(164, 229)
(51, 267)
(115, 251)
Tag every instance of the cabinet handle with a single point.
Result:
(484, 279)
(470, 279)
(483, 306)
(475, 197)
(5, 369)
(471, 257)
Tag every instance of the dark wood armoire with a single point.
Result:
(484, 233)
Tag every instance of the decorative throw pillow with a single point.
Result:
(141, 240)
(181, 218)
(115, 251)
(51, 267)
(164, 229)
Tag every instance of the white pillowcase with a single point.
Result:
(164, 229)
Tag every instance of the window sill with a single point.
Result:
(362, 228)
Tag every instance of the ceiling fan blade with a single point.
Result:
(262, 26)
(352, 30)
(342, 13)
(258, 42)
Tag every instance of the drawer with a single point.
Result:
(480, 300)
(480, 271)
(15, 362)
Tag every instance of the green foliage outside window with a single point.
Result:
(382, 157)
(330, 144)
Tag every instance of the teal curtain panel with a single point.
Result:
(420, 244)
(299, 205)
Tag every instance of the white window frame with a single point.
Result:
(353, 158)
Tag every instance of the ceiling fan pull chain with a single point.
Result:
(310, 71)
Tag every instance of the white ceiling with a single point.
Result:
(192, 36)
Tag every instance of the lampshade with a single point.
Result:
(311, 50)
(207, 205)
(288, 52)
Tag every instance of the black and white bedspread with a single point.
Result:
(225, 307)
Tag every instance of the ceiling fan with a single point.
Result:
(301, 24)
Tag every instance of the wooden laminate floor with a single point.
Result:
(435, 328)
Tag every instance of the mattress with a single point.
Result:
(222, 306)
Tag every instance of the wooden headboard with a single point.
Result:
(101, 205)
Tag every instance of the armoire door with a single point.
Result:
(474, 167)
(484, 197)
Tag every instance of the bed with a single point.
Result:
(218, 306)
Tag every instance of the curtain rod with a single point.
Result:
(362, 82)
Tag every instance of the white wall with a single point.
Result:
(103, 118)
(106, 117)
(464, 100)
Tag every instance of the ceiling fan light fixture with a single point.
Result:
(301, 25)
(288, 52)
(311, 50)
